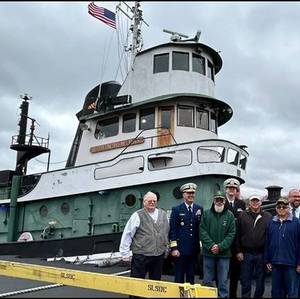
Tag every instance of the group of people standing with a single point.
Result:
(239, 243)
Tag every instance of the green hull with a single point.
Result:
(98, 213)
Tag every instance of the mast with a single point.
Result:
(135, 28)
(27, 146)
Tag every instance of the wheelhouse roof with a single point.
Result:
(225, 111)
(217, 60)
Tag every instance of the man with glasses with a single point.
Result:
(250, 240)
(217, 232)
(184, 234)
(282, 251)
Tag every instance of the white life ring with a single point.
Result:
(25, 237)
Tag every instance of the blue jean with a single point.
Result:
(253, 266)
(222, 267)
(285, 281)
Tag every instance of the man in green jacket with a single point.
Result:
(217, 231)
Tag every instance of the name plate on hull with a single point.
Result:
(118, 144)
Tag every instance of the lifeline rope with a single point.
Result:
(31, 290)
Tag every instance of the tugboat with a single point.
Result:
(155, 131)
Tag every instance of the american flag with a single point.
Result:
(103, 14)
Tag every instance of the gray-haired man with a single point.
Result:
(146, 234)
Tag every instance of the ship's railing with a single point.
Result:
(31, 140)
(211, 154)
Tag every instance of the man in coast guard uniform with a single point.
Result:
(184, 234)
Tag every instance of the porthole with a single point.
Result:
(130, 200)
(177, 193)
(43, 211)
(65, 208)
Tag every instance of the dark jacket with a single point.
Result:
(217, 228)
(184, 229)
(282, 241)
(251, 231)
(239, 206)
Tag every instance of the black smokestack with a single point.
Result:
(274, 192)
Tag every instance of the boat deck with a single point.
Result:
(25, 288)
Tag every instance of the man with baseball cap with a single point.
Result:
(282, 251)
(235, 205)
(250, 240)
(217, 232)
(184, 234)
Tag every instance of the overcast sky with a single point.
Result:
(54, 52)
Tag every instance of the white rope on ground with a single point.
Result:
(30, 290)
(121, 273)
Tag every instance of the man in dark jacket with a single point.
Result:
(282, 251)
(184, 234)
(217, 232)
(235, 205)
(250, 241)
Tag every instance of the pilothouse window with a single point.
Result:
(166, 118)
(202, 119)
(186, 116)
(180, 61)
(147, 119)
(161, 63)
(129, 121)
(107, 128)
(213, 122)
(210, 72)
(198, 64)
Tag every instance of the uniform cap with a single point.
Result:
(255, 197)
(231, 182)
(219, 194)
(282, 200)
(189, 187)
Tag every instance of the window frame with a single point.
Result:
(140, 118)
(193, 115)
(126, 114)
(211, 70)
(101, 127)
(154, 64)
(204, 66)
(211, 120)
(198, 109)
(181, 52)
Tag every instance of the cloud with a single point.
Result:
(56, 53)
